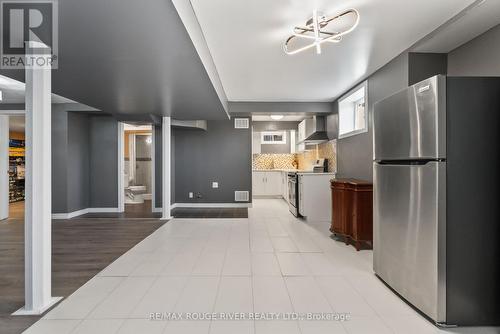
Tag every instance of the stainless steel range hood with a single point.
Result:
(315, 130)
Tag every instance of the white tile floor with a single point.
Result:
(270, 262)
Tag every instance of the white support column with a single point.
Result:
(166, 160)
(38, 193)
(4, 167)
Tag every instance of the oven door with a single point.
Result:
(292, 195)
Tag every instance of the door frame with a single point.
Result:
(153, 169)
(121, 167)
(6, 203)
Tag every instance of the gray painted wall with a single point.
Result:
(221, 154)
(274, 126)
(103, 148)
(84, 160)
(355, 153)
(332, 123)
(422, 66)
(479, 57)
(59, 160)
(78, 162)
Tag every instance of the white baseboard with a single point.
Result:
(70, 215)
(103, 210)
(211, 205)
(74, 214)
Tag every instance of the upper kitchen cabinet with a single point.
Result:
(256, 143)
(301, 132)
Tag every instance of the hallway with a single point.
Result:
(270, 262)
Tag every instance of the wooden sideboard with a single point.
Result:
(352, 211)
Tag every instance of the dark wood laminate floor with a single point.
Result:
(210, 213)
(81, 248)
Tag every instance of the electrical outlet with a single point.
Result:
(191, 195)
(198, 195)
(215, 184)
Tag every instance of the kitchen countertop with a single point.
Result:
(277, 170)
(298, 171)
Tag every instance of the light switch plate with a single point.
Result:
(191, 195)
(215, 184)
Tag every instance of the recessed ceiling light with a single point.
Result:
(315, 31)
(277, 117)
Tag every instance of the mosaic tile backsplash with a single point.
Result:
(305, 160)
(273, 161)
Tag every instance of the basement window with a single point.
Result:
(353, 116)
(273, 137)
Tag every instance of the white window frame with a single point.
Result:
(273, 133)
(348, 95)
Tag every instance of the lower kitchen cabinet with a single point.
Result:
(267, 183)
(314, 196)
(352, 211)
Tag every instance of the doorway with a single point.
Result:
(138, 171)
(15, 164)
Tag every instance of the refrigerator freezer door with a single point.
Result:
(412, 123)
(409, 233)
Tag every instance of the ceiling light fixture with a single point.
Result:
(314, 30)
(277, 117)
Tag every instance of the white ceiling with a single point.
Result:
(286, 118)
(245, 39)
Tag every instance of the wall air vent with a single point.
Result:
(241, 196)
(241, 123)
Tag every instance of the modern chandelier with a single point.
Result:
(316, 30)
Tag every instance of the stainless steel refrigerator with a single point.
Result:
(436, 204)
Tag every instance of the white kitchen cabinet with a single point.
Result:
(301, 132)
(273, 183)
(259, 183)
(256, 143)
(293, 141)
(315, 196)
(267, 183)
